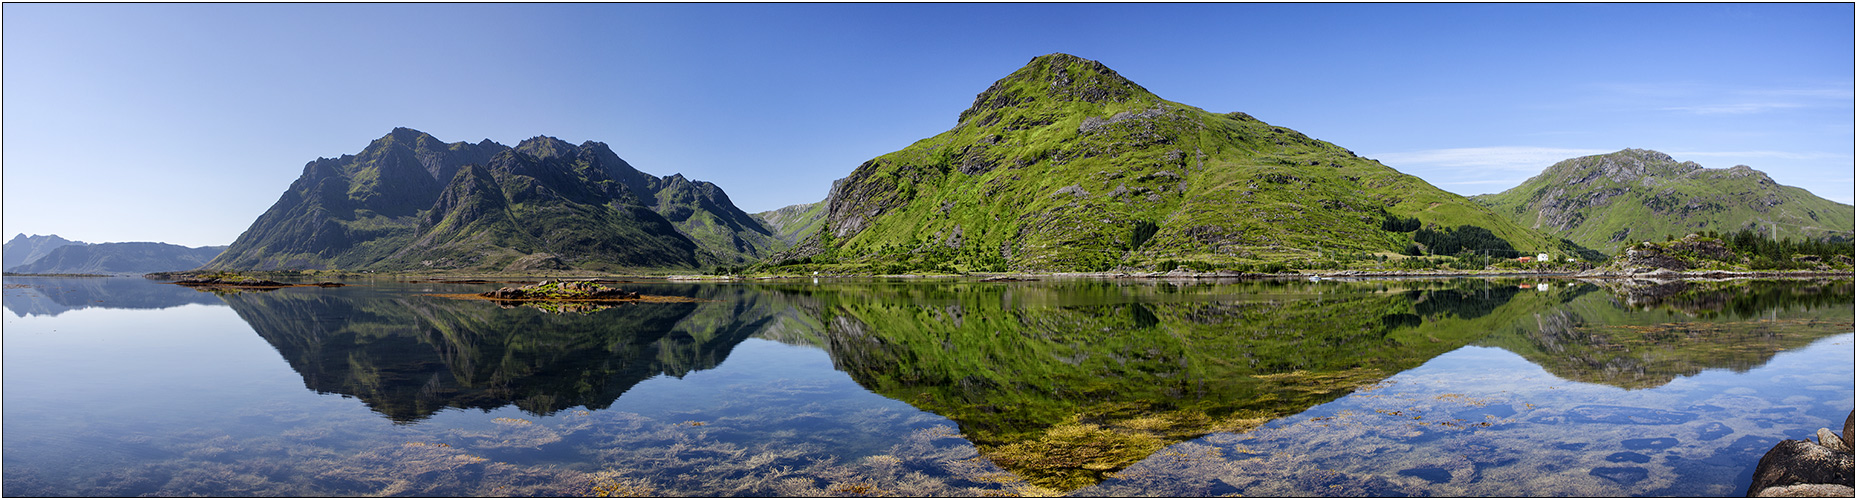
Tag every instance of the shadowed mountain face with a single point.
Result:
(411, 202)
(408, 356)
(1065, 165)
(1607, 202)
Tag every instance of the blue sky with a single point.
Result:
(183, 123)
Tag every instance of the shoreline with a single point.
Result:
(1656, 274)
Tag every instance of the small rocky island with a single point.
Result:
(560, 290)
(241, 281)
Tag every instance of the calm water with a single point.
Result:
(1470, 387)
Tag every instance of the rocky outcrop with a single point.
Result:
(1680, 255)
(1665, 260)
(1804, 468)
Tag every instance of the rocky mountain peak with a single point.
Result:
(400, 136)
(542, 146)
(404, 134)
(1625, 166)
(1056, 78)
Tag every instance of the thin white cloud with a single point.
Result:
(1782, 155)
(1743, 108)
(1841, 92)
(1710, 99)
(1482, 169)
(1529, 159)
(1509, 181)
(1495, 168)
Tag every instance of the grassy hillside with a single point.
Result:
(1066, 166)
(793, 223)
(1607, 202)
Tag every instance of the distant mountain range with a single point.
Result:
(793, 222)
(54, 255)
(1608, 201)
(23, 249)
(409, 201)
(1063, 165)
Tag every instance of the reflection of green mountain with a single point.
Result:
(53, 296)
(1645, 335)
(1060, 382)
(409, 356)
(1065, 383)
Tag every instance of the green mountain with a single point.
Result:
(120, 258)
(793, 223)
(22, 249)
(411, 202)
(1065, 165)
(1606, 202)
(702, 212)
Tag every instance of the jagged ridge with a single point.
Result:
(411, 202)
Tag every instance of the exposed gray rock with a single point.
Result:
(1848, 420)
(1800, 462)
(1073, 190)
(1808, 491)
(1829, 439)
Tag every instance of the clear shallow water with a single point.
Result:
(118, 387)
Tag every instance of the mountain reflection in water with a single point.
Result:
(410, 356)
(1063, 383)
(52, 296)
(1646, 334)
